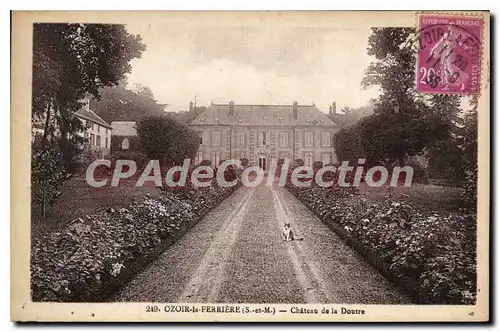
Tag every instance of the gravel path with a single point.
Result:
(236, 254)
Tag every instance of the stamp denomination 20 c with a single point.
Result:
(449, 58)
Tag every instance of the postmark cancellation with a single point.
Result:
(449, 54)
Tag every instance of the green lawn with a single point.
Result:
(425, 196)
(79, 199)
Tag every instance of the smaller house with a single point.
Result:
(124, 136)
(97, 132)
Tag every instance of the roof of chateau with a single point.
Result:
(218, 114)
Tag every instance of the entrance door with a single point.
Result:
(262, 163)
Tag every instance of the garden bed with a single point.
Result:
(431, 255)
(91, 257)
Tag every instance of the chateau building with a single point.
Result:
(260, 133)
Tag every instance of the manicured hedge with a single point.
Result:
(94, 255)
(431, 255)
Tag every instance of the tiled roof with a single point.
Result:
(123, 128)
(88, 114)
(262, 115)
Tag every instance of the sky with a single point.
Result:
(252, 65)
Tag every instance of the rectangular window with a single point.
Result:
(308, 159)
(284, 140)
(92, 139)
(325, 139)
(88, 124)
(309, 138)
(98, 140)
(262, 138)
(200, 156)
(242, 155)
(106, 143)
(241, 138)
(98, 128)
(93, 126)
(216, 159)
(106, 131)
(200, 136)
(326, 158)
(215, 138)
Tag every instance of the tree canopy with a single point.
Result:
(404, 122)
(118, 103)
(72, 61)
(163, 138)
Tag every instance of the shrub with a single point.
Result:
(469, 196)
(432, 255)
(298, 162)
(317, 165)
(94, 254)
(86, 157)
(139, 157)
(165, 139)
(244, 162)
(348, 143)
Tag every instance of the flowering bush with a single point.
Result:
(432, 255)
(91, 254)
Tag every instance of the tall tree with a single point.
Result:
(445, 154)
(71, 61)
(404, 122)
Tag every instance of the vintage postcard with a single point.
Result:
(250, 166)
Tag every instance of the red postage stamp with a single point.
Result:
(449, 57)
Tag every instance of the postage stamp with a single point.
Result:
(450, 51)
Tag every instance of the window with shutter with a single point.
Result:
(309, 138)
(215, 138)
(325, 139)
(284, 140)
(241, 139)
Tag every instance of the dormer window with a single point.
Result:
(321, 120)
(281, 119)
(308, 120)
(202, 119)
(240, 121)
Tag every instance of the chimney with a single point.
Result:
(295, 110)
(86, 103)
(330, 112)
(231, 108)
(190, 106)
